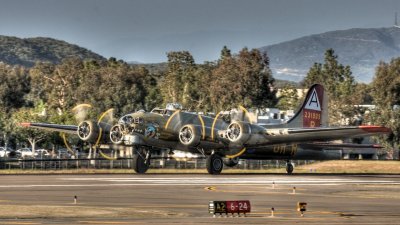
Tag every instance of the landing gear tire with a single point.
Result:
(141, 161)
(289, 168)
(214, 164)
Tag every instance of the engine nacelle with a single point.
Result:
(238, 132)
(190, 135)
(88, 131)
(116, 135)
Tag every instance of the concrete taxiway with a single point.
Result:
(184, 198)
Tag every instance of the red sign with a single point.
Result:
(238, 206)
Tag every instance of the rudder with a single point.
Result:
(314, 110)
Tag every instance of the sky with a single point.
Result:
(145, 30)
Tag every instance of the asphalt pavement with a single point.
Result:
(184, 199)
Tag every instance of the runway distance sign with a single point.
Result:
(238, 206)
(241, 206)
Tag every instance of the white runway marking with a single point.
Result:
(196, 181)
(235, 181)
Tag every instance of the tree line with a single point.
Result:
(47, 92)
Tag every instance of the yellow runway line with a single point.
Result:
(173, 206)
(25, 223)
(107, 222)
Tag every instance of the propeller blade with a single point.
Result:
(106, 121)
(67, 145)
(107, 118)
(242, 114)
(104, 155)
(81, 112)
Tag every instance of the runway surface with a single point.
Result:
(184, 198)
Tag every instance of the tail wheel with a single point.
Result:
(141, 161)
(214, 164)
(289, 168)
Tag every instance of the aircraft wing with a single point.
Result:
(323, 133)
(70, 129)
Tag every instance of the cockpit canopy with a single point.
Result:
(129, 119)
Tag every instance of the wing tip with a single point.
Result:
(375, 129)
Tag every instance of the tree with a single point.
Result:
(178, 83)
(33, 136)
(265, 93)
(6, 127)
(338, 82)
(225, 53)
(14, 85)
(116, 85)
(203, 88)
(59, 83)
(225, 88)
(288, 99)
(386, 95)
(244, 79)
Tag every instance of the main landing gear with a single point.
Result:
(289, 167)
(141, 160)
(214, 164)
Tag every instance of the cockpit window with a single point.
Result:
(157, 110)
(168, 112)
(138, 120)
(126, 119)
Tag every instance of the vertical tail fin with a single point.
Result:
(314, 110)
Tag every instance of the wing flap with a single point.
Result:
(70, 129)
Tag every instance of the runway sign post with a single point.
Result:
(232, 207)
(301, 207)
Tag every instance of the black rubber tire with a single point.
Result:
(289, 168)
(138, 164)
(214, 164)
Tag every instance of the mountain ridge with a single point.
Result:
(26, 51)
(361, 48)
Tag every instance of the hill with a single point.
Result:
(19, 51)
(362, 49)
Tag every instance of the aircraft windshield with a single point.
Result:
(163, 111)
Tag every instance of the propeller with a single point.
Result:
(91, 130)
(238, 130)
(80, 112)
(105, 122)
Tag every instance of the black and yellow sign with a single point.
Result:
(301, 206)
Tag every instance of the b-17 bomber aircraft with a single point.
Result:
(223, 141)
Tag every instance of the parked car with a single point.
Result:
(63, 153)
(42, 153)
(14, 155)
(5, 152)
(9, 153)
(27, 153)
